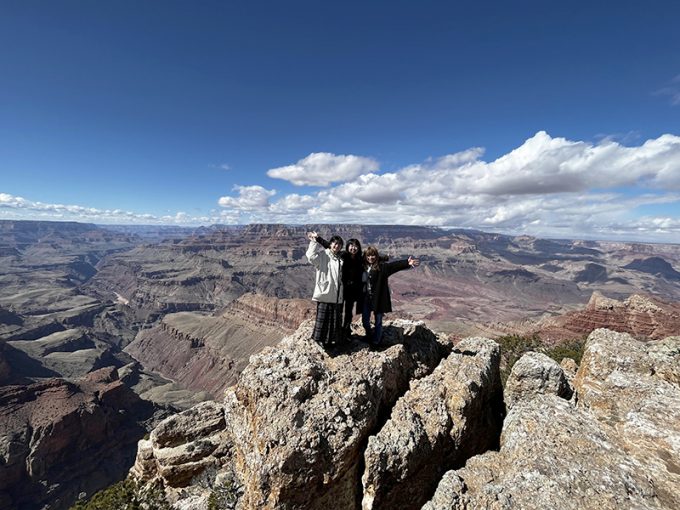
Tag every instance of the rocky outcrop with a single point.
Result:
(634, 388)
(319, 412)
(184, 446)
(613, 447)
(304, 428)
(62, 438)
(443, 420)
(550, 457)
(297, 422)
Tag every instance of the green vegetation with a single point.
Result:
(514, 346)
(126, 495)
(572, 349)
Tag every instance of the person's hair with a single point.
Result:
(372, 250)
(337, 239)
(356, 243)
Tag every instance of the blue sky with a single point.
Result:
(518, 117)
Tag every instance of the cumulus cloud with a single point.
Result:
(545, 187)
(324, 168)
(250, 198)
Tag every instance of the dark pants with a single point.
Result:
(328, 324)
(349, 313)
(353, 297)
(366, 320)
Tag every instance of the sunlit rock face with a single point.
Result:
(444, 419)
(297, 422)
(420, 423)
(615, 444)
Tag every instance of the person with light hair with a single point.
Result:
(377, 298)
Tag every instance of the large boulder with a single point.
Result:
(445, 418)
(615, 446)
(535, 373)
(551, 456)
(634, 388)
(183, 446)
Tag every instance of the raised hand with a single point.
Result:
(413, 262)
(312, 236)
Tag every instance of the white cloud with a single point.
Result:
(18, 208)
(221, 166)
(324, 168)
(545, 187)
(250, 198)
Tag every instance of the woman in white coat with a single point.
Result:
(328, 292)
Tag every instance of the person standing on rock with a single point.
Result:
(352, 284)
(377, 291)
(328, 292)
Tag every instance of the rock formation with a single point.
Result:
(616, 446)
(638, 315)
(443, 420)
(298, 420)
(61, 438)
(376, 429)
(536, 373)
(656, 266)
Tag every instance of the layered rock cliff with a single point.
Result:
(639, 315)
(207, 353)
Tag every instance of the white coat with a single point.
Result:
(328, 284)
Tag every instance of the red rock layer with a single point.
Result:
(286, 314)
(638, 315)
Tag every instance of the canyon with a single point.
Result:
(173, 317)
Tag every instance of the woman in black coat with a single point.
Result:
(377, 291)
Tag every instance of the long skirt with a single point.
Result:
(328, 325)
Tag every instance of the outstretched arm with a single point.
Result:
(400, 265)
(314, 249)
(322, 241)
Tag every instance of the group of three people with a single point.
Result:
(351, 279)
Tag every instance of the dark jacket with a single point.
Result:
(380, 290)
